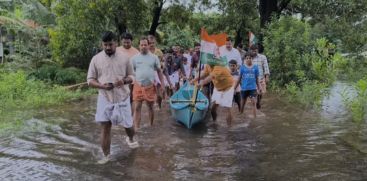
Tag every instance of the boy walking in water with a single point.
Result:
(236, 75)
(249, 78)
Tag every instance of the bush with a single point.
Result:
(357, 104)
(19, 94)
(70, 75)
(298, 56)
(58, 75)
(310, 94)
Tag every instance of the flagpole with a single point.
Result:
(196, 90)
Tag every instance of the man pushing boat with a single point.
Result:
(223, 88)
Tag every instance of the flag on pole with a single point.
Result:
(252, 40)
(212, 46)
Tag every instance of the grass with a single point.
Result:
(357, 102)
(19, 95)
(310, 94)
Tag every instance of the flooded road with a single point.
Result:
(285, 142)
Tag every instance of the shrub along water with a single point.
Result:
(17, 93)
(57, 75)
(300, 61)
(357, 102)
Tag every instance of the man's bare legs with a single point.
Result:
(159, 95)
(130, 133)
(229, 116)
(131, 87)
(151, 112)
(243, 102)
(214, 111)
(137, 114)
(253, 101)
(228, 110)
(106, 137)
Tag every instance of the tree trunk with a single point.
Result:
(120, 24)
(267, 8)
(156, 16)
(238, 39)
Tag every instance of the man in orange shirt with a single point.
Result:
(223, 89)
(129, 51)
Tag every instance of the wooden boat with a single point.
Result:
(185, 108)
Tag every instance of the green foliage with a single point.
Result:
(81, 23)
(174, 35)
(28, 40)
(300, 61)
(297, 56)
(353, 68)
(58, 75)
(286, 41)
(342, 21)
(357, 104)
(310, 94)
(18, 94)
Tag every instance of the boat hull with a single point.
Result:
(184, 110)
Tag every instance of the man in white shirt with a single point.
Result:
(231, 53)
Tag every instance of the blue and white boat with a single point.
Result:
(186, 107)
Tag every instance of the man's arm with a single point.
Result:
(129, 76)
(157, 66)
(160, 76)
(266, 69)
(202, 76)
(95, 84)
(238, 80)
(93, 75)
(207, 80)
(259, 88)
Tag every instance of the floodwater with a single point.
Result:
(285, 143)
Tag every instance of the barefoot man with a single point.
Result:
(129, 51)
(223, 89)
(111, 72)
(145, 64)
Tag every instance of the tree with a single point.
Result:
(268, 8)
(157, 11)
(342, 21)
(239, 16)
(80, 24)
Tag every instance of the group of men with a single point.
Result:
(126, 77)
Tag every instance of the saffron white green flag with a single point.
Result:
(252, 40)
(212, 47)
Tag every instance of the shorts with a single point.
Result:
(223, 98)
(248, 93)
(147, 93)
(117, 113)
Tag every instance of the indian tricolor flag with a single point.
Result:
(212, 47)
(252, 40)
